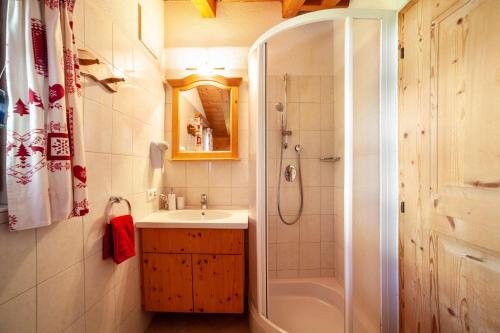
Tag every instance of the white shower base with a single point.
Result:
(306, 305)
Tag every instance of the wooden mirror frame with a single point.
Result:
(188, 83)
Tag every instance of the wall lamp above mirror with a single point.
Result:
(205, 117)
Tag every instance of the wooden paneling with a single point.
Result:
(218, 283)
(414, 91)
(449, 97)
(167, 282)
(219, 241)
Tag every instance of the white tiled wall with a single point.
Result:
(305, 249)
(53, 279)
(225, 182)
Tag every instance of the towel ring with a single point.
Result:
(113, 200)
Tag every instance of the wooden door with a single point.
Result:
(465, 164)
(167, 282)
(449, 118)
(218, 283)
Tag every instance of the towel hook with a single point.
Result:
(113, 200)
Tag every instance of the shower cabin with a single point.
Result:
(323, 209)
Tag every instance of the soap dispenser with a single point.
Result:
(171, 200)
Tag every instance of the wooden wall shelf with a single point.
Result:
(99, 71)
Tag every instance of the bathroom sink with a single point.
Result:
(196, 218)
(198, 215)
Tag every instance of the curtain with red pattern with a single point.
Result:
(45, 166)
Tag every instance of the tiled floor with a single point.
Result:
(198, 323)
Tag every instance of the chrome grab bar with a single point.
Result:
(113, 200)
(329, 159)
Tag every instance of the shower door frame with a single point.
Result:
(388, 158)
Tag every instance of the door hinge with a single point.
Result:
(402, 207)
(402, 53)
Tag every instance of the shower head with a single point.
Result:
(279, 107)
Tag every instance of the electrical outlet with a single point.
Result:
(152, 194)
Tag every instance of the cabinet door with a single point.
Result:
(167, 282)
(218, 283)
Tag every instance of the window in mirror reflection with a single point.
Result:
(205, 119)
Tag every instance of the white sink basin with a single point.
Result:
(197, 215)
(191, 218)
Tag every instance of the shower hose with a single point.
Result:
(298, 149)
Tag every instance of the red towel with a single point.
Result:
(119, 239)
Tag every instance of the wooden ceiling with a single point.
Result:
(216, 104)
(290, 8)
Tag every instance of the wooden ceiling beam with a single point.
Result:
(290, 8)
(325, 4)
(207, 8)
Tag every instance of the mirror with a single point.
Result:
(205, 118)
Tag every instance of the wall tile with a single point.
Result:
(310, 89)
(310, 141)
(311, 175)
(98, 278)
(97, 93)
(243, 116)
(218, 196)
(123, 130)
(58, 247)
(271, 256)
(19, 313)
(97, 127)
(60, 300)
(193, 196)
(99, 177)
(18, 262)
(272, 222)
(142, 137)
(197, 174)
(327, 117)
(287, 233)
(176, 174)
(101, 317)
(327, 223)
(142, 174)
(310, 255)
(219, 174)
(327, 255)
(239, 197)
(121, 179)
(327, 200)
(239, 173)
(310, 116)
(287, 256)
(78, 326)
(98, 32)
(127, 297)
(93, 228)
(123, 51)
(312, 197)
(287, 274)
(327, 89)
(310, 228)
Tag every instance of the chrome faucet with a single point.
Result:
(204, 203)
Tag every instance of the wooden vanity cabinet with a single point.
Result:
(193, 270)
